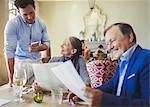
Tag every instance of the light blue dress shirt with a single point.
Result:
(18, 35)
(124, 59)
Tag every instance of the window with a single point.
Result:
(12, 10)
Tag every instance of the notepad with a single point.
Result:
(4, 101)
(68, 75)
(45, 77)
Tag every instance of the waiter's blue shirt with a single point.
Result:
(18, 35)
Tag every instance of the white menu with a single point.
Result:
(68, 75)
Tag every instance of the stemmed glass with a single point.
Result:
(19, 80)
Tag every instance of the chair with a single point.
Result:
(100, 71)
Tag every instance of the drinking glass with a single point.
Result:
(19, 80)
(57, 95)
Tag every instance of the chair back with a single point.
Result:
(100, 71)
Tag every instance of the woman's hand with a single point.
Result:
(36, 87)
(45, 60)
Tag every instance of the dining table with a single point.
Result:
(7, 94)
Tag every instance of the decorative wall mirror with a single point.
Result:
(94, 25)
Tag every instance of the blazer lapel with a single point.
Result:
(130, 69)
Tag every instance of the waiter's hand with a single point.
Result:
(34, 47)
(36, 87)
(95, 95)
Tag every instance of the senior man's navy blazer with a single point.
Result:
(136, 85)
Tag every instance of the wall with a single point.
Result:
(65, 18)
(3, 19)
(134, 12)
(149, 18)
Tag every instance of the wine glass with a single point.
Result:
(19, 80)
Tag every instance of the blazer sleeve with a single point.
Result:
(112, 100)
(109, 86)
